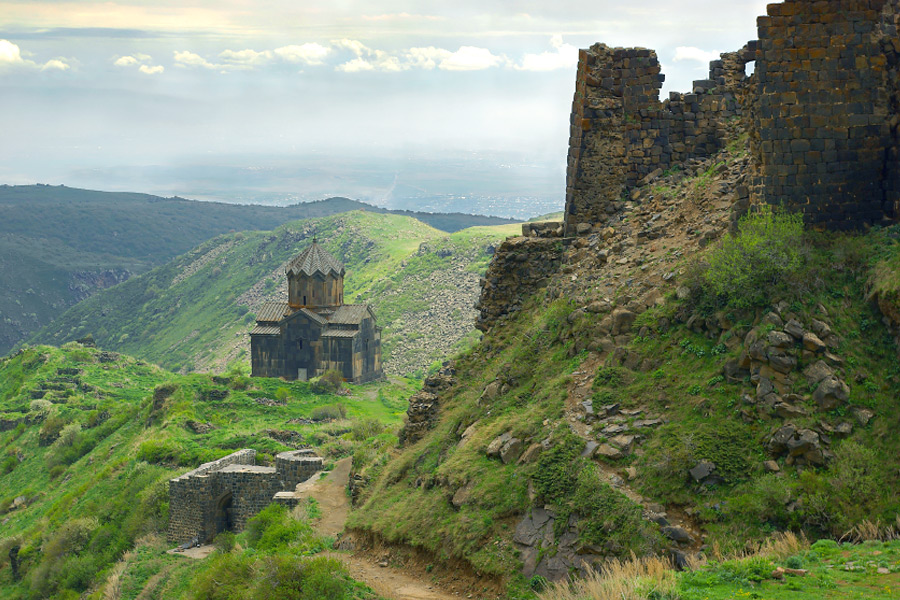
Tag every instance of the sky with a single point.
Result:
(106, 88)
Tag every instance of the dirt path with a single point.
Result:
(330, 493)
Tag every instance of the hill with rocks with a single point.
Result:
(195, 312)
(60, 245)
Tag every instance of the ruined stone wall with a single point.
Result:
(189, 493)
(224, 494)
(296, 466)
(520, 266)
(821, 128)
(890, 45)
(620, 132)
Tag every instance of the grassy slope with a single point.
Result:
(115, 468)
(185, 321)
(50, 235)
(535, 354)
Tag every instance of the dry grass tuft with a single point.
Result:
(634, 579)
(873, 531)
(112, 589)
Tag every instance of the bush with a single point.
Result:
(329, 412)
(765, 257)
(224, 542)
(51, 428)
(330, 382)
(366, 428)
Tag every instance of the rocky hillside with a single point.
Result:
(59, 245)
(683, 380)
(194, 313)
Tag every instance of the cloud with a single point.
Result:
(310, 53)
(245, 59)
(565, 56)
(126, 61)
(467, 58)
(470, 58)
(694, 54)
(55, 65)
(11, 58)
(185, 58)
(143, 60)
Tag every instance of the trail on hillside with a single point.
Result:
(390, 582)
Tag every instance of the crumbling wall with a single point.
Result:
(520, 266)
(821, 129)
(620, 133)
(225, 493)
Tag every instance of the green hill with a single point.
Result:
(59, 245)
(195, 311)
(90, 439)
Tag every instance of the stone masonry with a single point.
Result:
(620, 133)
(221, 495)
(822, 109)
(824, 126)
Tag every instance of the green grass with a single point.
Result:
(94, 492)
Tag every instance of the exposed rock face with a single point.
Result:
(424, 406)
(519, 268)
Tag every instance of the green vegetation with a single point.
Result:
(765, 259)
(94, 439)
(60, 245)
(193, 311)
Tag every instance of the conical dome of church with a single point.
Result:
(315, 259)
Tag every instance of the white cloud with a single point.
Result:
(55, 65)
(11, 58)
(357, 65)
(426, 58)
(310, 53)
(189, 59)
(148, 70)
(126, 61)
(564, 57)
(470, 58)
(694, 54)
(143, 60)
(354, 46)
(246, 58)
(10, 53)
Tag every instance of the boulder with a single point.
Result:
(817, 371)
(607, 451)
(831, 393)
(863, 415)
(789, 411)
(531, 454)
(794, 329)
(511, 450)
(812, 342)
(781, 361)
(589, 449)
(780, 339)
(622, 320)
(494, 447)
(771, 466)
(702, 470)
(677, 534)
(462, 495)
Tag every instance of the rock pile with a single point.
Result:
(424, 406)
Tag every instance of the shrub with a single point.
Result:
(329, 412)
(159, 452)
(224, 542)
(765, 257)
(366, 428)
(51, 428)
(328, 383)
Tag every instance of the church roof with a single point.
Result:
(314, 260)
(273, 312)
(266, 330)
(349, 314)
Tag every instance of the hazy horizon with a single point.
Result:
(393, 100)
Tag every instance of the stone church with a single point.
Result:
(314, 331)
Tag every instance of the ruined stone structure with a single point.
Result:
(221, 495)
(620, 132)
(824, 127)
(314, 331)
(822, 109)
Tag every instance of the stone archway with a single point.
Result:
(223, 518)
